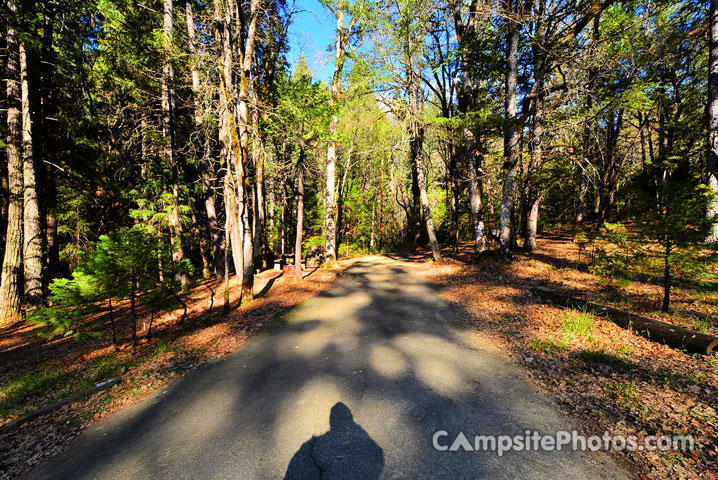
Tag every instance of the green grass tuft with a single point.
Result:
(578, 324)
(600, 356)
(163, 346)
(548, 346)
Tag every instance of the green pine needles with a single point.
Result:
(132, 264)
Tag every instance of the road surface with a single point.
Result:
(351, 384)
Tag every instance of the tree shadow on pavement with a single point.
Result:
(346, 451)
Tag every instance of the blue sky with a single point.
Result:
(312, 31)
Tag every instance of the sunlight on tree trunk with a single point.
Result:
(300, 217)
(32, 225)
(713, 116)
(512, 135)
(12, 260)
(168, 131)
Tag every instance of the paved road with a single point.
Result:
(351, 384)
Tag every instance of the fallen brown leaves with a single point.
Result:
(611, 379)
(176, 348)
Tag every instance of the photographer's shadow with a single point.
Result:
(345, 452)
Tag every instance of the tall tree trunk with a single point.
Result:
(283, 221)
(586, 155)
(271, 225)
(47, 108)
(372, 227)
(535, 164)
(581, 200)
(204, 243)
(381, 202)
(453, 191)
(32, 224)
(613, 167)
(415, 220)
(235, 233)
(214, 232)
(226, 306)
(330, 250)
(168, 131)
(300, 217)
(475, 199)
(466, 31)
(340, 54)
(246, 58)
(340, 197)
(228, 137)
(713, 116)
(511, 136)
(258, 153)
(418, 134)
(12, 260)
(490, 212)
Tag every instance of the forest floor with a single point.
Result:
(35, 373)
(610, 378)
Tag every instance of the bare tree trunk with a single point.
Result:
(12, 261)
(713, 116)
(283, 221)
(340, 54)
(330, 250)
(581, 202)
(465, 31)
(535, 164)
(168, 131)
(204, 244)
(372, 227)
(453, 188)
(229, 148)
(133, 312)
(246, 57)
(426, 208)
(613, 167)
(415, 219)
(214, 232)
(271, 202)
(340, 197)
(47, 184)
(381, 201)
(475, 199)
(511, 137)
(32, 224)
(259, 213)
(590, 149)
(233, 225)
(227, 306)
(300, 217)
